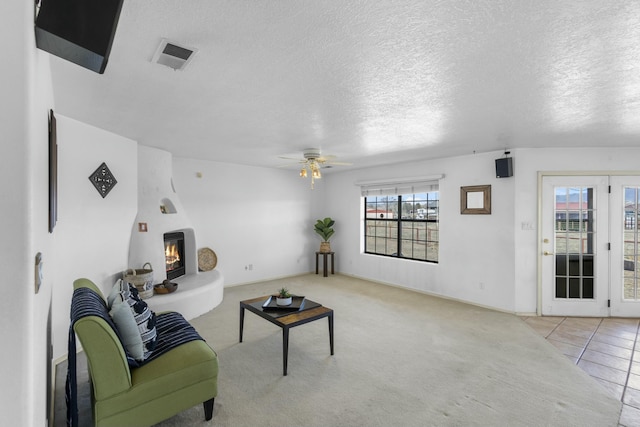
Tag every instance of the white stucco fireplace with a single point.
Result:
(160, 212)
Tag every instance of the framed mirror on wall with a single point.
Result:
(475, 200)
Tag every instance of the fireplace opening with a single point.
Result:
(174, 254)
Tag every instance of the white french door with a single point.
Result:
(590, 253)
(575, 238)
(625, 246)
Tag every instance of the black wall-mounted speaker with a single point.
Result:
(80, 31)
(504, 167)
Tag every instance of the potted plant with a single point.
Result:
(283, 297)
(324, 228)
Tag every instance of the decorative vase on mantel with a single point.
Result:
(325, 247)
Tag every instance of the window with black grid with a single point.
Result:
(403, 225)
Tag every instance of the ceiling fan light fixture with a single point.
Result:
(312, 162)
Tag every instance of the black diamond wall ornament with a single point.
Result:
(103, 180)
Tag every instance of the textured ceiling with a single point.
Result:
(371, 82)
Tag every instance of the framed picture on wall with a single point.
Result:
(53, 172)
(475, 200)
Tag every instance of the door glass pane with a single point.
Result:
(574, 265)
(574, 288)
(587, 288)
(561, 243)
(587, 265)
(561, 265)
(561, 287)
(630, 244)
(575, 238)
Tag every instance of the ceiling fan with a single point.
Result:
(313, 161)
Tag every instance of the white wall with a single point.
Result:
(248, 216)
(26, 97)
(92, 234)
(41, 240)
(476, 251)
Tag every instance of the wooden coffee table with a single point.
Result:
(287, 320)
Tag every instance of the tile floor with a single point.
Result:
(607, 349)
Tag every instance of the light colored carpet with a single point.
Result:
(401, 359)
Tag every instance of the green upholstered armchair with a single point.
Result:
(122, 396)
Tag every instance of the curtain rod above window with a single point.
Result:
(392, 181)
(422, 184)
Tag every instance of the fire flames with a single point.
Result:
(171, 254)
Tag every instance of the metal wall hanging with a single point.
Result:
(103, 180)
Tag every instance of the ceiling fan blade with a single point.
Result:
(327, 157)
(329, 160)
(290, 164)
(339, 163)
(313, 159)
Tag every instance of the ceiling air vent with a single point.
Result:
(173, 55)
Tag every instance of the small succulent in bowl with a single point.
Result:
(284, 293)
(283, 297)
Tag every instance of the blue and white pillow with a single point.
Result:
(141, 341)
(127, 327)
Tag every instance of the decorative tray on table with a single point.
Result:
(297, 303)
